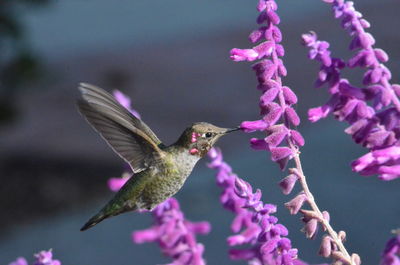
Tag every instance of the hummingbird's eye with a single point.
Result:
(208, 135)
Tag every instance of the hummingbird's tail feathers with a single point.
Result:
(94, 221)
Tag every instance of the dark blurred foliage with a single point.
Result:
(46, 185)
(19, 64)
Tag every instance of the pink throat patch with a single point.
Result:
(194, 137)
(193, 151)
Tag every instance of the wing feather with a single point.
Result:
(99, 96)
(128, 136)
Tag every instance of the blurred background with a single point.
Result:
(172, 58)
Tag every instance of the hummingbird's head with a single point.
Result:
(201, 136)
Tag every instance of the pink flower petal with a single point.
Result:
(252, 126)
(279, 153)
(243, 55)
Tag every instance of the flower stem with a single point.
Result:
(311, 201)
(302, 178)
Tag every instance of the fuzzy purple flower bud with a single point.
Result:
(315, 114)
(281, 155)
(288, 183)
(264, 48)
(325, 249)
(278, 134)
(243, 55)
(269, 96)
(356, 259)
(296, 203)
(272, 112)
(326, 216)
(258, 144)
(292, 116)
(311, 227)
(342, 236)
(308, 215)
(289, 95)
(252, 126)
(297, 138)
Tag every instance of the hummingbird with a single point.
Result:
(159, 171)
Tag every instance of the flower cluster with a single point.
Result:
(391, 253)
(254, 223)
(174, 234)
(375, 126)
(276, 100)
(42, 258)
(276, 104)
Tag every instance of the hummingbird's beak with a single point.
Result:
(231, 130)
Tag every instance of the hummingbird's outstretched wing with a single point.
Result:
(128, 136)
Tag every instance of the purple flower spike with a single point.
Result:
(279, 116)
(253, 225)
(372, 111)
(175, 235)
(277, 100)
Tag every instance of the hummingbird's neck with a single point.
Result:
(183, 159)
(192, 144)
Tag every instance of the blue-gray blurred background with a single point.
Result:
(172, 58)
